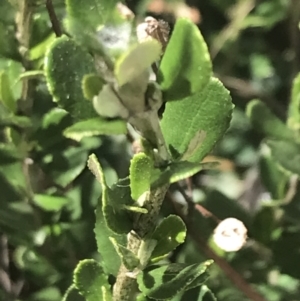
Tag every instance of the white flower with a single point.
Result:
(230, 235)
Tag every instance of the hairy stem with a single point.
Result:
(124, 288)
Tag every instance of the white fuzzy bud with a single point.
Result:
(230, 235)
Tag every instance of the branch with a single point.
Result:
(202, 210)
(53, 18)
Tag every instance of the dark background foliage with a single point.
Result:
(48, 196)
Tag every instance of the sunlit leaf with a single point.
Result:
(286, 153)
(134, 62)
(140, 174)
(95, 127)
(167, 281)
(266, 122)
(294, 106)
(186, 67)
(169, 234)
(49, 202)
(128, 258)
(90, 280)
(66, 63)
(91, 85)
(208, 110)
(113, 200)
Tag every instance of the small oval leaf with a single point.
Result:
(134, 62)
(140, 174)
(186, 67)
(170, 233)
(91, 281)
(165, 282)
(66, 63)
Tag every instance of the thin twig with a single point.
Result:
(53, 18)
(203, 211)
(230, 272)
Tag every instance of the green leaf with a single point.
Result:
(206, 294)
(141, 167)
(38, 51)
(186, 67)
(136, 209)
(286, 153)
(31, 74)
(51, 293)
(40, 266)
(85, 21)
(133, 93)
(9, 153)
(20, 122)
(208, 110)
(90, 13)
(113, 200)
(110, 260)
(264, 224)
(14, 70)
(94, 127)
(91, 85)
(293, 121)
(194, 144)
(6, 95)
(9, 44)
(52, 125)
(128, 258)
(15, 177)
(96, 169)
(136, 60)
(50, 202)
(170, 233)
(66, 63)
(273, 178)
(167, 281)
(108, 104)
(65, 166)
(266, 122)
(178, 171)
(91, 281)
(16, 217)
(285, 252)
(72, 294)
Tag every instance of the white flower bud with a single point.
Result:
(230, 235)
